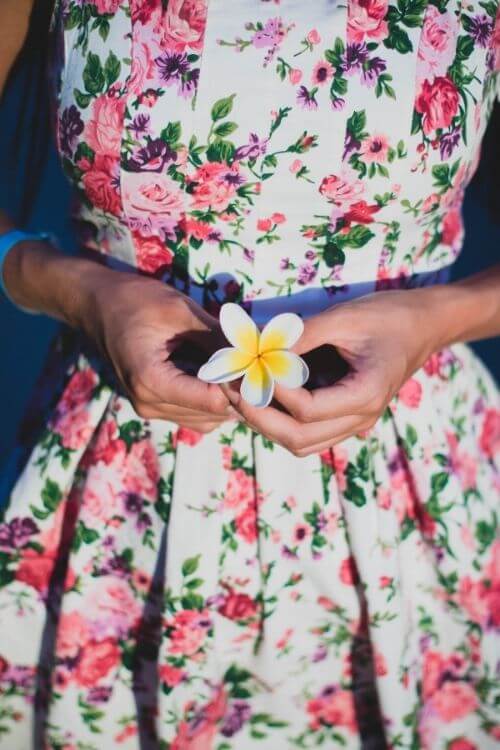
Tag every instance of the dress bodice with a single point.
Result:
(251, 149)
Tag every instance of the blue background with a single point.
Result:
(25, 338)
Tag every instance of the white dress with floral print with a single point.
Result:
(164, 589)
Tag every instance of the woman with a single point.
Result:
(180, 569)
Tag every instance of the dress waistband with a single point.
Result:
(306, 303)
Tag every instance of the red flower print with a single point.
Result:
(96, 662)
(237, 606)
(171, 676)
(101, 184)
(151, 253)
(348, 573)
(490, 433)
(188, 631)
(246, 524)
(411, 393)
(437, 102)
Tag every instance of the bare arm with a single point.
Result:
(136, 332)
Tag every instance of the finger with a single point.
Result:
(351, 395)
(287, 431)
(325, 445)
(174, 387)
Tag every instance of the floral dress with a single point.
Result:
(160, 588)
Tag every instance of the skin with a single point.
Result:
(384, 337)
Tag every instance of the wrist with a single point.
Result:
(444, 309)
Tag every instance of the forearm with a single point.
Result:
(39, 277)
(465, 310)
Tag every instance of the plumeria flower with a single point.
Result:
(260, 357)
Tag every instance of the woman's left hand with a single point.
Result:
(383, 337)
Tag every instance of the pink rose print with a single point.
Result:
(340, 191)
(72, 635)
(215, 185)
(100, 181)
(454, 700)
(151, 201)
(143, 70)
(103, 132)
(111, 607)
(366, 20)
(334, 707)
(106, 6)
(437, 43)
(188, 631)
(490, 433)
(151, 253)
(187, 436)
(101, 494)
(246, 524)
(171, 676)
(240, 489)
(99, 658)
(237, 606)
(184, 25)
(437, 102)
(411, 393)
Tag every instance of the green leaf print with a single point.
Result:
(172, 133)
(357, 237)
(222, 108)
(83, 100)
(190, 565)
(51, 495)
(112, 68)
(333, 255)
(93, 75)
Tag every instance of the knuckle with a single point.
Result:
(295, 444)
(207, 427)
(137, 385)
(142, 410)
(216, 402)
(303, 412)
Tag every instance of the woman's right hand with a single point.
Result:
(138, 323)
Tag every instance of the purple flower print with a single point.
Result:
(480, 28)
(254, 148)
(448, 143)
(172, 66)
(372, 70)
(306, 98)
(350, 144)
(175, 68)
(270, 35)
(239, 713)
(99, 694)
(307, 272)
(70, 127)
(151, 158)
(284, 264)
(140, 125)
(16, 533)
(353, 59)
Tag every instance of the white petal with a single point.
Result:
(225, 365)
(286, 368)
(281, 332)
(258, 385)
(239, 328)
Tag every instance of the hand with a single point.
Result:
(138, 324)
(383, 338)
